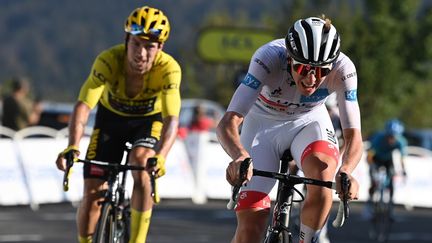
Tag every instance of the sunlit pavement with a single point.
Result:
(183, 221)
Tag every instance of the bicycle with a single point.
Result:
(114, 222)
(278, 230)
(382, 205)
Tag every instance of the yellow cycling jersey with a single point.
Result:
(106, 83)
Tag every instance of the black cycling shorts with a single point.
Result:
(110, 134)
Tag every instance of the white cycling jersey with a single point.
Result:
(278, 116)
(269, 89)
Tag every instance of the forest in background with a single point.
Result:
(54, 43)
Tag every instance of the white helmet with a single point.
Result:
(313, 41)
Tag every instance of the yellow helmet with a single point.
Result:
(148, 23)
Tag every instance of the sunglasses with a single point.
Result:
(138, 30)
(305, 69)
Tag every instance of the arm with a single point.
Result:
(352, 151)
(77, 125)
(168, 134)
(228, 135)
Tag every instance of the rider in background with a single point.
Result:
(380, 153)
(136, 87)
(281, 105)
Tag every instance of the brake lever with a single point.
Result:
(69, 163)
(345, 186)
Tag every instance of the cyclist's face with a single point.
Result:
(308, 78)
(141, 53)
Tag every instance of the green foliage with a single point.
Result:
(55, 42)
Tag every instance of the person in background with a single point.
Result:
(136, 86)
(200, 121)
(19, 110)
(380, 153)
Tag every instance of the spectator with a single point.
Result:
(19, 111)
(200, 121)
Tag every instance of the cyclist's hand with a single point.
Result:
(353, 188)
(71, 151)
(157, 163)
(233, 173)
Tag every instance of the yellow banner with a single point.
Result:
(218, 44)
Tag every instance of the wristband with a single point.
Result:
(70, 148)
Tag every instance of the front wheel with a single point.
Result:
(104, 230)
(278, 237)
(113, 225)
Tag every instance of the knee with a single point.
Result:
(251, 225)
(318, 196)
(319, 166)
(141, 179)
(91, 201)
(250, 232)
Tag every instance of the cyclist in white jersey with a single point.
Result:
(281, 105)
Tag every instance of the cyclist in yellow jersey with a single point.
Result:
(136, 87)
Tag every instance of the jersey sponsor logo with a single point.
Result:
(331, 136)
(169, 73)
(99, 76)
(107, 64)
(171, 86)
(146, 142)
(91, 150)
(351, 95)
(150, 91)
(267, 69)
(251, 81)
(349, 75)
(319, 94)
(277, 92)
(281, 105)
(133, 107)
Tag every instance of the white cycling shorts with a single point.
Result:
(266, 140)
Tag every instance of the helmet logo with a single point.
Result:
(292, 42)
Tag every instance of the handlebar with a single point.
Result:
(69, 163)
(118, 167)
(154, 192)
(343, 210)
(244, 166)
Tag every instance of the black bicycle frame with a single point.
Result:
(283, 203)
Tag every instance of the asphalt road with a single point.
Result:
(183, 221)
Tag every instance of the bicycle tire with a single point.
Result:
(382, 219)
(382, 222)
(280, 237)
(104, 228)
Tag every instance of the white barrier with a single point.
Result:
(212, 161)
(195, 169)
(13, 189)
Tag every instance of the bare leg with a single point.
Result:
(251, 224)
(318, 202)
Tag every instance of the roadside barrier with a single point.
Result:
(195, 170)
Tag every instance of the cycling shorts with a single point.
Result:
(377, 163)
(110, 134)
(266, 140)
